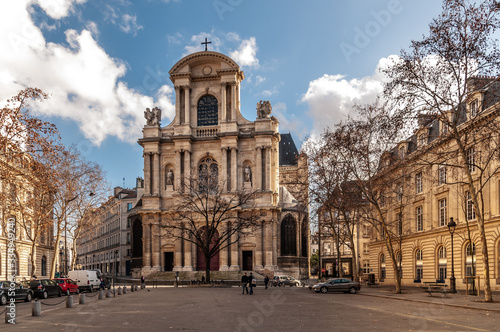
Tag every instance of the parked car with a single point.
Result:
(337, 285)
(18, 292)
(67, 285)
(85, 279)
(44, 288)
(282, 281)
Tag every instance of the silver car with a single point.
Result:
(337, 285)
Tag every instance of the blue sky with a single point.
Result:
(104, 62)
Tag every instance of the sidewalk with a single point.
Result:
(417, 294)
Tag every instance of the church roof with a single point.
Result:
(288, 151)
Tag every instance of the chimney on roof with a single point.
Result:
(478, 82)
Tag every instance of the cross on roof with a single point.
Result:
(206, 44)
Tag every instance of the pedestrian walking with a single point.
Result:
(202, 279)
(266, 280)
(143, 282)
(252, 282)
(244, 283)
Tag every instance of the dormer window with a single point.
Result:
(401, 152)
(473, 108)
(422, 140)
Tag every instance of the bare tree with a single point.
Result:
(444, 74)
(363, 146)
(28, 148)
(211, 218)
(77, 178)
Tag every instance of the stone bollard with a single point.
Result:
(132, 288)
(120, 291)
(108, 293)
(136, 287)
(36, 308)
(69, 302)
(82, 298)
(101, 294)
(124, 289)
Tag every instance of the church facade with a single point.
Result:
(209, 131)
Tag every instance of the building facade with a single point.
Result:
(209, 131)
(421, 203)
(18, 230)
(107, 244)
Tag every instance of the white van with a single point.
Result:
(86, 279)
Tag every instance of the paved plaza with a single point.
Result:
(274, 309)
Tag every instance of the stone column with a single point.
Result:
(146, 252)
(147, 175)
(177, 105)
(194, 257)
(188, 261)
(233, 101)
(177, 253)
(234, 172)
(258, 169)
(223, 117)
(223, 255)
(274, 170)
(223, 172)
(187, 104)
(155, 240)
(234, 254)
(268, 169)
(177, 174)
(156, 173)
(275, 233)
(187, 169)
(268, 245)
(258, 249)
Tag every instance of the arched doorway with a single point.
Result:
(200, 257)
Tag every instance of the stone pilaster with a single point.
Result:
(234, 167)
(177, 174)
(223, 117)
(187, 104)
(268, 169)
(177, 105)
(258, 169)
(223, 173)
(233, 101)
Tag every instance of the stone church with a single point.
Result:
(209, 131)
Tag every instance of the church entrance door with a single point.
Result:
(200, 257)
(247, 260)
(169, 261)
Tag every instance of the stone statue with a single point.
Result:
(248, 174)
(170, 178)
(264, 109)
(153, 117)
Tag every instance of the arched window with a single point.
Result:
(419, 265)
(208, 114)
(305, 238)
(208, 175)
(288, 236)
(44, 266)
(470, 260)
(382, 267)
(442, 263)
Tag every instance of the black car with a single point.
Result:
(18, 292)
(44, 288)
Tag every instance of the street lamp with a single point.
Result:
(451, 227)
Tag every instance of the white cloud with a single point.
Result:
(331, 97)
(245, 55)
(57, 9)
(288, 122)
(259, 79)
(129, 24)
(126, 22)
(82, 79)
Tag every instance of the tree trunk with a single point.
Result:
(355, 267)
(33, 257)
(55, 253)
(207, 268)
(486, 266)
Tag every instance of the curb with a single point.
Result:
(427, 302)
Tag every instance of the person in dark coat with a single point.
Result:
(266, 280)
(244, 283)
(252, 281)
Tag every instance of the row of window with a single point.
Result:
(441, 263)
(17, 270)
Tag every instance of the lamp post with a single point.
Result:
(451, 227)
